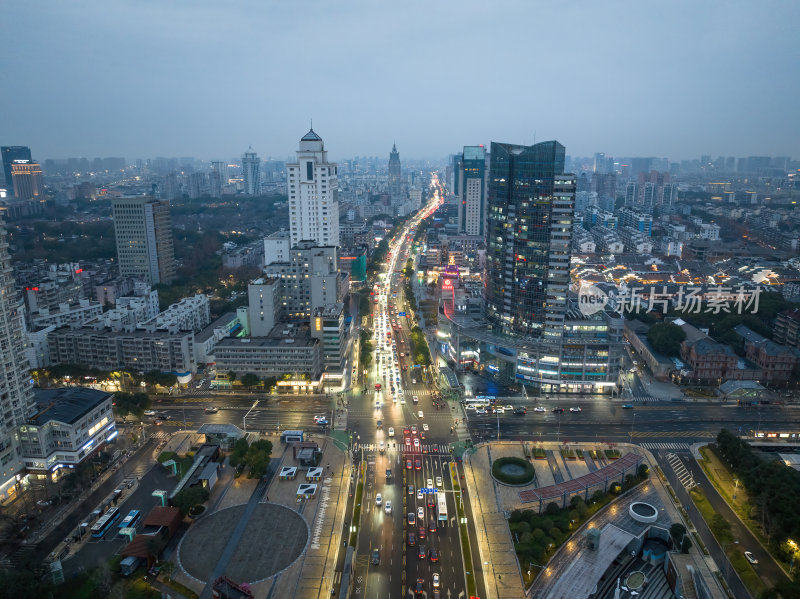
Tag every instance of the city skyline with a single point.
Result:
(377, 90)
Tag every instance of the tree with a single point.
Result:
(231, 376)
(666, 338)
(686, 544)
(677, 531)
(269, 382)
(188, 497)
(643, 471)
(250, 380)
(156, 377)
(131, 403)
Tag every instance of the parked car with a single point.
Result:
(750, 557)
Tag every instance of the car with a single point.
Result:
(376, 557)
(439, 483)
(319, 417)
(157, 422)
(425, 427)
(149, 412)
(509, 408)
(432, 525)
(413, 429)
(433, 555)
(407, 441)
(419, 587)
(421, 532)
(539, 409)
(558, 410)
(391, 431)
(419, 493)
(418, 464)
(520, 411)
(480, 410)
(387, 507)
(412, 519)
(320, 422)
(413, 381)
(500, 410)
(402, 401)
(410, 487)
(408, 465)
(431, 501)
(406, 430)
(436, 581)
(378, 499)
(575, 409)
(627, 406)
(381, 446)
(419, 414)
(412, 539)
(211, 410)
(379, 424)
(429, 483)
(750, 557)
(416, 442)
(421, 553)
(420, 513)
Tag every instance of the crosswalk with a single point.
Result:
(672, 434)
(160, 435)
(398, 447)
(672, 446)
(686, 478)
(640, 398)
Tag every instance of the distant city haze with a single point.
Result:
(208, 79)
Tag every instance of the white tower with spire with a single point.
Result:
(313, 194)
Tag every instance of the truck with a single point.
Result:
(389, 476)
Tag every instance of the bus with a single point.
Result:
(131, 520)
(104, 524)
(441, 507)
(476, 403)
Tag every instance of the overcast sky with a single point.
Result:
(145, 78)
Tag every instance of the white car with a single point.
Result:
(575, 409)
(499, 410)
(388, 507)
(149, 412)
(539, 409)
(436, 581)
(319, 417)
(391, 431)
(750, 557)
(429, 483)
(425, 426)
(419, 414)
(421, 514)
(419, 494)
(378, 499)
(402, 401)
(439, 482)
(416, 442)
(510, 408)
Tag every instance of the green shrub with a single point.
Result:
(513, 479)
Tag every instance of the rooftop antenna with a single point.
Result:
(312, 124)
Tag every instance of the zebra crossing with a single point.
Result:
(160, 435)
(673, 446)
(426, 448)
(686, 478)
(639, 398)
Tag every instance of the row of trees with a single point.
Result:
(251, 380)
(83, 373)
(772, 487)
(419, 347)
(365, 353)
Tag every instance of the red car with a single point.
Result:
(422, 532)
(418, 464)
(408, 464)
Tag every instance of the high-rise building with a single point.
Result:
(529, 234)
(263, 299)
(395, 176)
(632, 194)
(222, 168)
(10, 154)
(143, 229)
(16, 393)
(251, 169)
(26, 176)
(472, 185)
(214, 184)
(456, 169)
(313, 194)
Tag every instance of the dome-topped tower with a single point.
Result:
(311, 142)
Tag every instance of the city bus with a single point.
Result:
(476, 403)
(104, 524)
(441, 507)
(131, 520)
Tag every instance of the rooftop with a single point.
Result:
(311, 136)
(66, 404)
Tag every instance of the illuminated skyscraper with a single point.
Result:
(395, 176)
(16, 393)
(531, 207)
(313, 194)
(10, 154)
(26, 177)
(472, 186)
